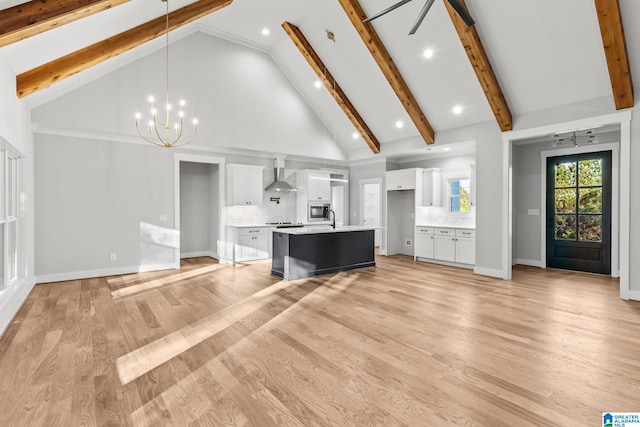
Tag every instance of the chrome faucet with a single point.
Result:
(333, 222)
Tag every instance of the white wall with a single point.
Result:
(15, 134)
(240, 96)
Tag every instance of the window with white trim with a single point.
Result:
(459, 195)
(8, 218)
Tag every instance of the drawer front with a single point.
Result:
(424, 230)
(465, 233)
(445, 232)
(252, 231)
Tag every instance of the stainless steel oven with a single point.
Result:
(318, 211)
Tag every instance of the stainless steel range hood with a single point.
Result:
(279, 184)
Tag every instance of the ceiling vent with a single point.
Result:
(279, 184)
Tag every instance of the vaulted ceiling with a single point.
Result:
(520, 57)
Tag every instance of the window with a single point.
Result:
(9, 226)
(459, 195)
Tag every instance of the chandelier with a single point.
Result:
(167, 133)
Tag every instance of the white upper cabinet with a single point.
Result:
(314, 185)
(472, 184)
(244, 185)
(404, 179)
(432, 188)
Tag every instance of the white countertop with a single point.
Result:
(459, 227)
(324, 229)
(315, 224)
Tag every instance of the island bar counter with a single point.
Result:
(306, 252)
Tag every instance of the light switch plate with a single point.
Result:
(533, 212)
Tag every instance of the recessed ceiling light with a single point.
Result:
(457, 109)
(428, 53)
(446, 149)
(355, 135)
(265, 32)
(318, 84)
(399, 124)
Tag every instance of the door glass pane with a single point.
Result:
(590, 200)
(566, 174)
(566, 200)
(590, 228)
(565, 227)
(590, 172)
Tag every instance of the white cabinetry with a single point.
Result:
(432, 187)
(466, 246)
(445, 244)
(314, 185)
(404, 179)
(249, 243)
(472, 184)
(455, 245)
(244, 185)
(424, 242)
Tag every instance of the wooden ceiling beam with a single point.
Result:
(43, 76)
(35, 17)
(334, 88)
(482, 67)
(388, 67)
(615, 50)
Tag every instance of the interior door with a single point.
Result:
(370, 207)
(579, 212)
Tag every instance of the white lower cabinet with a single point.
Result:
(449, 244)
(445, 244)
(424, 242)
(249, 243)
(466, 246)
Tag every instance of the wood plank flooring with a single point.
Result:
(405, 343)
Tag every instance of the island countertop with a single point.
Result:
(324, 229)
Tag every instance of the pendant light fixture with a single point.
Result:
(166, 134)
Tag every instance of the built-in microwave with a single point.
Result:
(318, 211)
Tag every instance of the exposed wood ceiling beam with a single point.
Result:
(35, 17)
(615, 50)
(481, 65)
(73, 63)
(388, 67)
(334, 88)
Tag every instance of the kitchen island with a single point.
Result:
(312, 251)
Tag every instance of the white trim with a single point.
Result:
(11, 299)
(194, 158)
(614, 147)
(529, 262)
(491, 272)
(508, 138)
(210, 254)
(361, 183)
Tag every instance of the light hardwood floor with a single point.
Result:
(403, 344)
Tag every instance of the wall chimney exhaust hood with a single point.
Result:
(279, 184)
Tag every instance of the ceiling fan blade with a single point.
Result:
(423, 13)
(387, 10)
(462, 12)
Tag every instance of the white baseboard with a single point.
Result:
(631, 295)
(11, 300)
(530, 262)
(450, 264)
(199, 254)
(88, 274)
(488, 272)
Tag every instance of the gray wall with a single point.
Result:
(95, 198)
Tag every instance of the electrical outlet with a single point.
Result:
(162, 217)
(407, 242)
(112, 257)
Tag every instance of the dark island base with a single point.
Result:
(297, 256)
